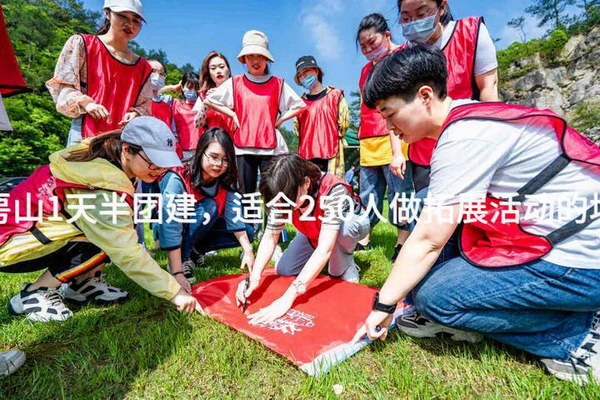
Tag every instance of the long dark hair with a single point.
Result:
(444, 19)
(374, 21)
(229, 178)
(206, 82)
(108, 146)
(105, 27)
(286, 174)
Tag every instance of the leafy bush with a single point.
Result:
(552, 47)
(586, 115)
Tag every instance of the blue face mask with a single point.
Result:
(309, 82)
(190, 95)
(420, 30)
(157, 81)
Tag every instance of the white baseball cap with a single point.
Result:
(255, 42)
(126, 5)
(155, 138)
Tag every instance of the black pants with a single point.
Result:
(322, 163)
(64, 264)
(420, 175)
(248, 166)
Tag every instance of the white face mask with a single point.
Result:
(157, 81)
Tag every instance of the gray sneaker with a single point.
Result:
(583, 366)
(416, 325)
(10, 361)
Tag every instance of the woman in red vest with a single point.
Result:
(321, 126)
(330, 221)
(99, 81)
(258, 103)
(214, 72)
(161, 103)
(472, 64)
(210, 181)
(525, 187)
(183, 115)
(82, 203)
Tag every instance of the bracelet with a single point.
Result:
(386, 308)
(177, 273)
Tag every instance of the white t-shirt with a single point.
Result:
(485, 57)
(289, 100)
(477, 157)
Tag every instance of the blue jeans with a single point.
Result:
(373, 182)
(540, 307)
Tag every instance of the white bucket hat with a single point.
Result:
(126, 5)
(255, 42)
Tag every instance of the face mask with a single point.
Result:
(420, 30)
(309, 81)
(190, 95)
(157, 81)
(378, 54)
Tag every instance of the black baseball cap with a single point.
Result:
(303, 63)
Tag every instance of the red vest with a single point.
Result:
(256, 106)
(460, 52)
(221, 197)
(319, 129)
(312, 229)
(215, 119)
(162, 111)
(34, 193)
(372, 124)
(111, 83)
(183, 117)
(11, 79)
(497, 244)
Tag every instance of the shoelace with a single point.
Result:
(186, 268)
(55, 298)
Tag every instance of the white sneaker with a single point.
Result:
(352, 274)
(583, 366)
(416, 325)
(41, 305)
(94, 289)
(10, 361)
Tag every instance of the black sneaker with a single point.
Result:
(416, 325)
(187, 268)
(583, 366)
(363, 247)
(396, 252)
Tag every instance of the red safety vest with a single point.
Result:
(220, 198)
(215, 119)
(111, 83)
(460, 52)
(37, 191)
(312, 229)
(11, 79)
(256, 106)
(319, 129)
(372, 124)
(162, 111)
(497, 244)
(183, 117)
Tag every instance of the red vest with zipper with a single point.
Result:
(496, 244)
(319, 129)
(183, 117)
(312, 229)
(111, 83)
(34, 196)
(460, 52)
(162, 111)
(215, 119)
(256, 106)
(372, 124)
(220, 198)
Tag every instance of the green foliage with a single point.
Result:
(586, 115)
(552, 46)
(290, 138)
(550, 11)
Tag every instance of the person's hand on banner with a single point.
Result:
(97, 111)
(398, 166)
(242, 293)
(376, 326)
(186, 303)
(276, 310)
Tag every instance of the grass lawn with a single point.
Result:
(145, 349)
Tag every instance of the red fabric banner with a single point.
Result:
(11, 79)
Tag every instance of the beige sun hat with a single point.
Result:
(255, 42)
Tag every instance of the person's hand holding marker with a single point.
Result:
(245, 288)
(377, 324)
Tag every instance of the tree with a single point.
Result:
(519, 25)
(550, 11)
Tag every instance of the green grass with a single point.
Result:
(145, 349)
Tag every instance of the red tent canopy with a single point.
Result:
(11, 79)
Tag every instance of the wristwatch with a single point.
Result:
(299, 286)
(386, 308)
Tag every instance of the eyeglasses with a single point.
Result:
(134, 21)
(151, 165)
(216, 160)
